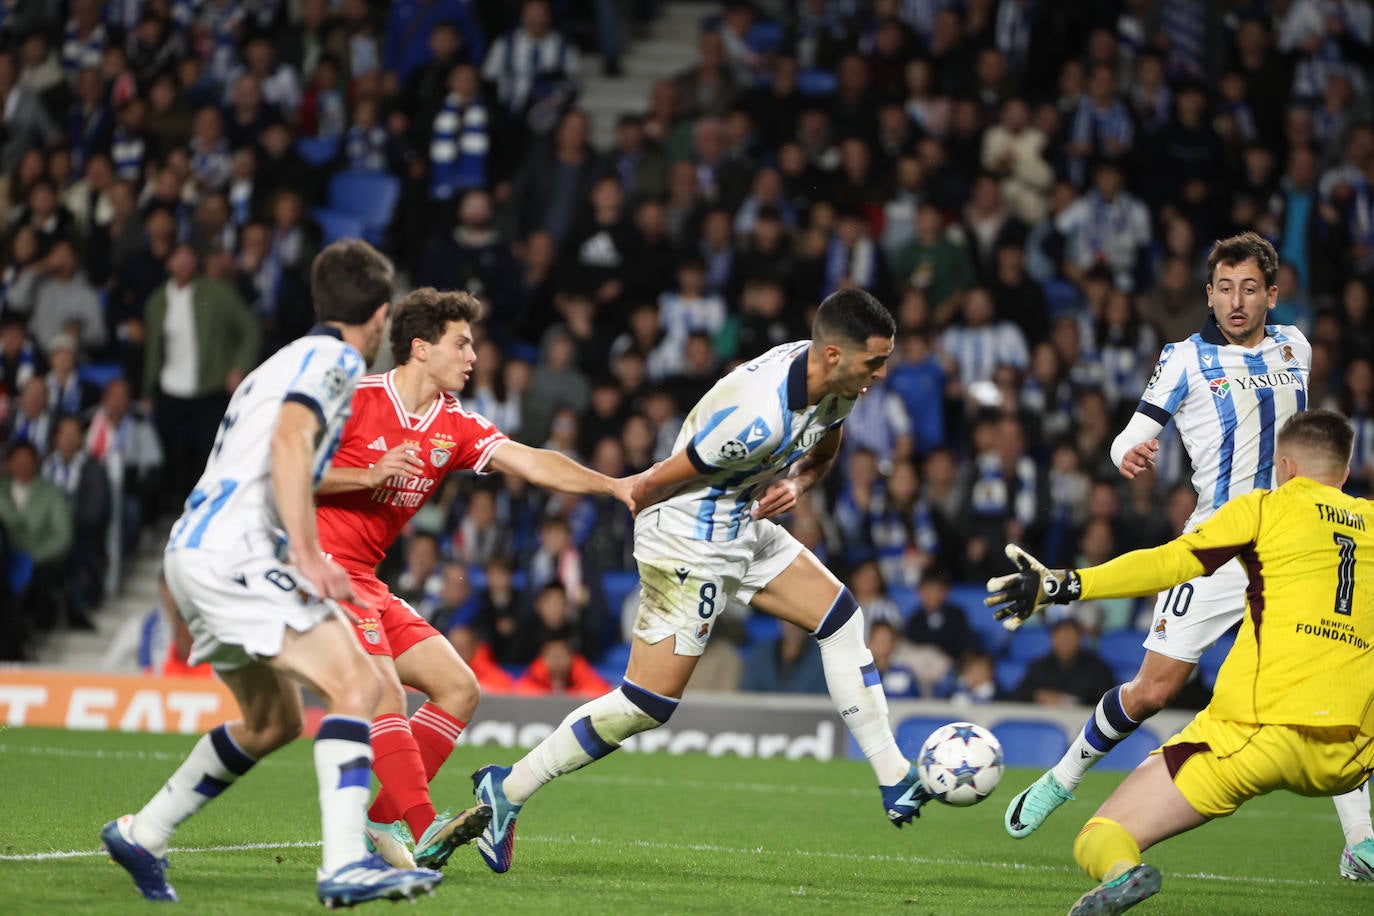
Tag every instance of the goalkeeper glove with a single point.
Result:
(1016, 597)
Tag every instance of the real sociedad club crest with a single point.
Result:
(440, 451)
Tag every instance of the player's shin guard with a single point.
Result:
(1107, 727)
(397, 763)
(211, 767)
(343, 765)
(1353, 810)
(589, 733)
(1104, 849)
(856, 688)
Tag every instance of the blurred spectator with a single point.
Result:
(1070, 675)
(68, 395)
(62, 301)
(980, 342)
(201, 341)
(477, 655)
(1106, 226)
(32, 419)
(87, 489)
(459, 141)
(421, 578)
(787, 663)
(499, 608)
(534, 69)
(898, 680)
(454, 603)
(975, 681)
(938, 632)
(479, 537)
(554, 181)
(122, 439)
(27, 123)
(708, 87)
(37, 520)
(557, 560)
(931, 262)
(559, 671)
(474, 257)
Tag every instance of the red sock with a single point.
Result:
(397, 763)
(435, 732)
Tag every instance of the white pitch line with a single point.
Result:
(700, 847)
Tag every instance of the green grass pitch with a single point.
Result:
(639, 834)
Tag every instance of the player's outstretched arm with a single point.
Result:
(553, 470)
(399, 461)
(293, 453)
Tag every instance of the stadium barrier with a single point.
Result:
(745, 725)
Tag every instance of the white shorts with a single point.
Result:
(1191, 617)
(238, 605)
(684, 583)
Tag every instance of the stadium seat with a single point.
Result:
(905, 598)
(969, 597)
(20, 572)
(1122, 651)
(765, 37)
(1211, 660)
(100, 374)
(815, 83)
(911, 733)
(369, 197)
(761, 628)
(317, 151)
(1008, 673)
(1128, 754)
(611, 665)
(1061, 297)
(1028, 743)
(616, 585)
(335, 225)
(1028, 644)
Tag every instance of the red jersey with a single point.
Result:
(357, 527)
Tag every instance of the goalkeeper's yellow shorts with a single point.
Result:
(1219, 764)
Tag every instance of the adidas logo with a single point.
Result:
(378, 444)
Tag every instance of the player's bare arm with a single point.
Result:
(293, 450)
(661, 480)
(1139, 459)
(809, 470)
(555, 471)
(400, 461)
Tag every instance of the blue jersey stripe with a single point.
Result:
(1264, 467)
(1210, 355)
(226, 490)
(716, 419)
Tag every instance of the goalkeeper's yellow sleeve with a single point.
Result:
(1199, 552)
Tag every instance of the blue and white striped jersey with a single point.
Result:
(749, 428)
(1228, 404)
(234, 495)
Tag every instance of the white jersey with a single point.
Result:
(1228, 404)
(234, 495)
(746, 431)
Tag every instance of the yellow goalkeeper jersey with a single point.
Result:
(1305, 651)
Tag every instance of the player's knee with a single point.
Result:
(652, 709)
(458, 694)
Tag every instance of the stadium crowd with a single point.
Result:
(1031, 188)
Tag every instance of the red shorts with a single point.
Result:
(389, 626)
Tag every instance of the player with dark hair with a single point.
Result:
(260, 597)
(407, 432)
(1293, 706)
(1229, 389)
(759, 439)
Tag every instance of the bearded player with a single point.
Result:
(406, 433)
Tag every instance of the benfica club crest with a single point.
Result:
(440, 451)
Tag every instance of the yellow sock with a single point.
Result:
(1104, 849)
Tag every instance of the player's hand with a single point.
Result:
(399, 461)
(780, 497)
(1033, 587)
(329, 578)
(1139, 459)
(623, 489)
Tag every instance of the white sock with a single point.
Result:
(211, 767)
(856, 688)
(343, 765)
(1353, 810)
(590, 732)
(1107, 727)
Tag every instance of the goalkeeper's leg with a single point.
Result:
(1116, 716)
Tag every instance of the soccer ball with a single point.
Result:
(960, 764)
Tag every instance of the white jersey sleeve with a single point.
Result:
(1168, 385)
(233, 497)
